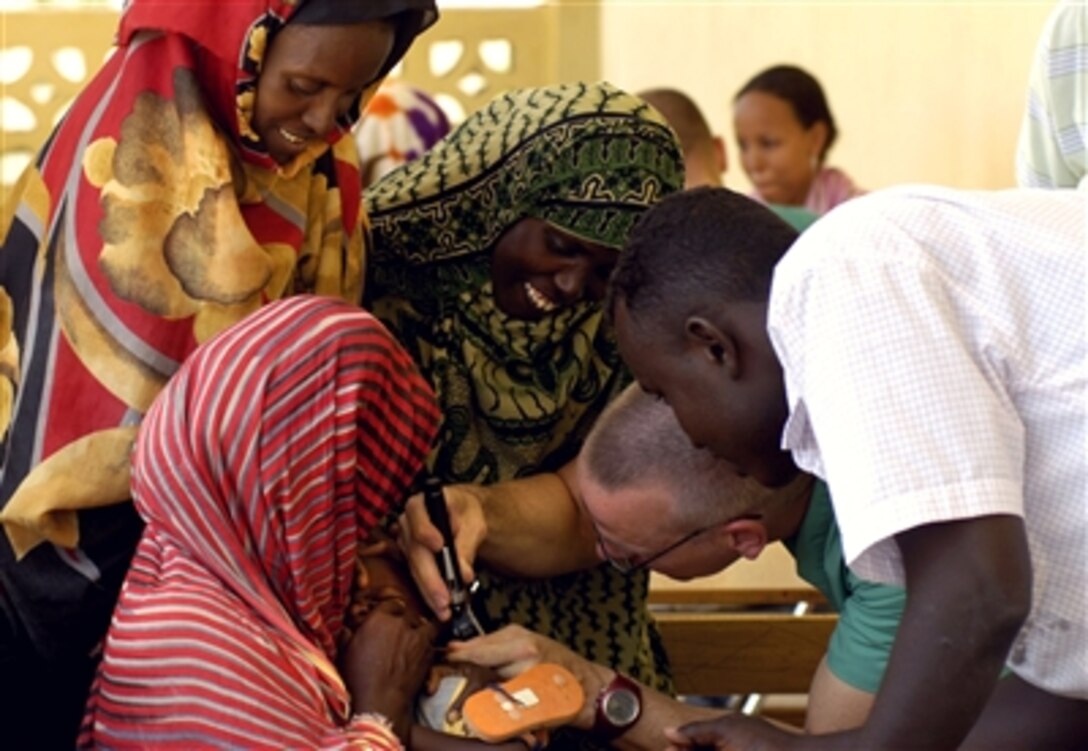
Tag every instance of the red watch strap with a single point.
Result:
(603, 727)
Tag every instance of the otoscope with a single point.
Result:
(463, 624)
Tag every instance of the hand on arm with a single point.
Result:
(513, 649)
(732, 732)
(969, 590)
(832, 705)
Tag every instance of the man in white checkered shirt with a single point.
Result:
(924, 351)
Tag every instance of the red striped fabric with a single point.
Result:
(271, 454)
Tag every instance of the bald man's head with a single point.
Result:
(704, 152)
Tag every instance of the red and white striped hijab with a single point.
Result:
(275, 450)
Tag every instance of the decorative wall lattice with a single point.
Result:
(47, 54)
(46, 57)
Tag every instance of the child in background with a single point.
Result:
(399, 124)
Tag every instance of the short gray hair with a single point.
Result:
(638, 440)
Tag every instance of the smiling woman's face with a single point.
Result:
(311, 77)
(537, 269)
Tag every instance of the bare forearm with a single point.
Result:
(513, 649)
(969, 586)
(659, 712)
(833, 704)
(535, 527)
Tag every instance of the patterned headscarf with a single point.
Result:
(234, 38)
(519, 396)
(587, 158)
(151, 220)
(270, 456)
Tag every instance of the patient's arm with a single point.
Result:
(513, 649)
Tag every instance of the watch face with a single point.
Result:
(621, 707)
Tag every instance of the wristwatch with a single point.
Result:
(619, 705)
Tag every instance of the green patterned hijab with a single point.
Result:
(517, 396)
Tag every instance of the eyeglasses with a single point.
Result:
(633, 563)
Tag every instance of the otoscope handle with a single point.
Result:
(463, 621)
(435, 503)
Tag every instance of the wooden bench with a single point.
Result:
(735, 633)
(717, 654)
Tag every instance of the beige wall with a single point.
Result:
(922, 92)
(466, 59)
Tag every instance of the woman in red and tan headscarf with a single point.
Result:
(202, 173)
(276, 449)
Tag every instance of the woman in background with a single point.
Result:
(491, 253)
(201, 173)
(784, 130)
(275, 451)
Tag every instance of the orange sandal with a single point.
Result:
(544, 696)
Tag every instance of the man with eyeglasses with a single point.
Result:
(645, 498)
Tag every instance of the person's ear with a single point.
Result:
(717, 345)
(746, 536)
(721, 156)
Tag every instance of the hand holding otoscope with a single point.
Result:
(464, 623)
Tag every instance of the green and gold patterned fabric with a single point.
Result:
(517, 396)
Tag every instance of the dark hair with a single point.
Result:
(804, 94)
(409, 19)
(697, 246)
